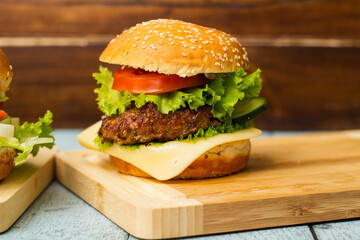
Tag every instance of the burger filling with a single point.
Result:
(153, 115)
(146, 124)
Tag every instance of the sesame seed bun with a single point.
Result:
(222, 160)
(5, 73)
(176, 47)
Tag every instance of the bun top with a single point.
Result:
(176, 47)
(6, 74)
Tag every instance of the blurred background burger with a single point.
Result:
(17, 142)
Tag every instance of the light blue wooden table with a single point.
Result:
(59, 214)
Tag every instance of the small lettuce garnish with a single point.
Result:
(29, 137)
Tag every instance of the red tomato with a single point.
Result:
(3, 115)
(138, 80)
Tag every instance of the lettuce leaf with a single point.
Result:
(221, 93)
(29, 137)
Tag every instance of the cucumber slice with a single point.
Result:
(246, 110)
(11, 120)
(7, 120)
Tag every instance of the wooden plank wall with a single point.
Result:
(309, 53)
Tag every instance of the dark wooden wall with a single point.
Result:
(309, 52)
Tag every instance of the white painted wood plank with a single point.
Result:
(348, 229)
(285, 233)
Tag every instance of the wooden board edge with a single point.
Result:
(45, 173)
(144, 222)
(281, 211)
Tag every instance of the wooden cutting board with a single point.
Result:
(24, 184)
(289, 180)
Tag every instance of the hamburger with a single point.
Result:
(17, 142)
(179, 106)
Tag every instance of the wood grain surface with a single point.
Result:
(289, 180)
(308, 52)
(24, 184)
(265, 17)
(306, 87)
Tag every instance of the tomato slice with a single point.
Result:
(3, 115)
(138, 80)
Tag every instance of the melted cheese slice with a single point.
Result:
(167, 160)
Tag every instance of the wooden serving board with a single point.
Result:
(24, 184)
(289, 180)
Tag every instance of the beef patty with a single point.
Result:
(147, 124)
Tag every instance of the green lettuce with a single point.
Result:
(29, 137)
(221, 93)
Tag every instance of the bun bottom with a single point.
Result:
(6, 161)
(222, 160)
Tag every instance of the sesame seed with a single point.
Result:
(238, 64)
(170, 39)
(206, 51)
(160, 42)
(113, 40)
(153, 47)
(126, 52)
(144, 46)
(128, 39)
(11, 67)
(134, 45)
(184, 54)
(172, 43)
(143, 43)
(146, 37)
(200, 46)
(150, 31)
(192, 47)
(224, 48)
(8, 73)
(179, 31)
(217, 64)
(136, 38)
